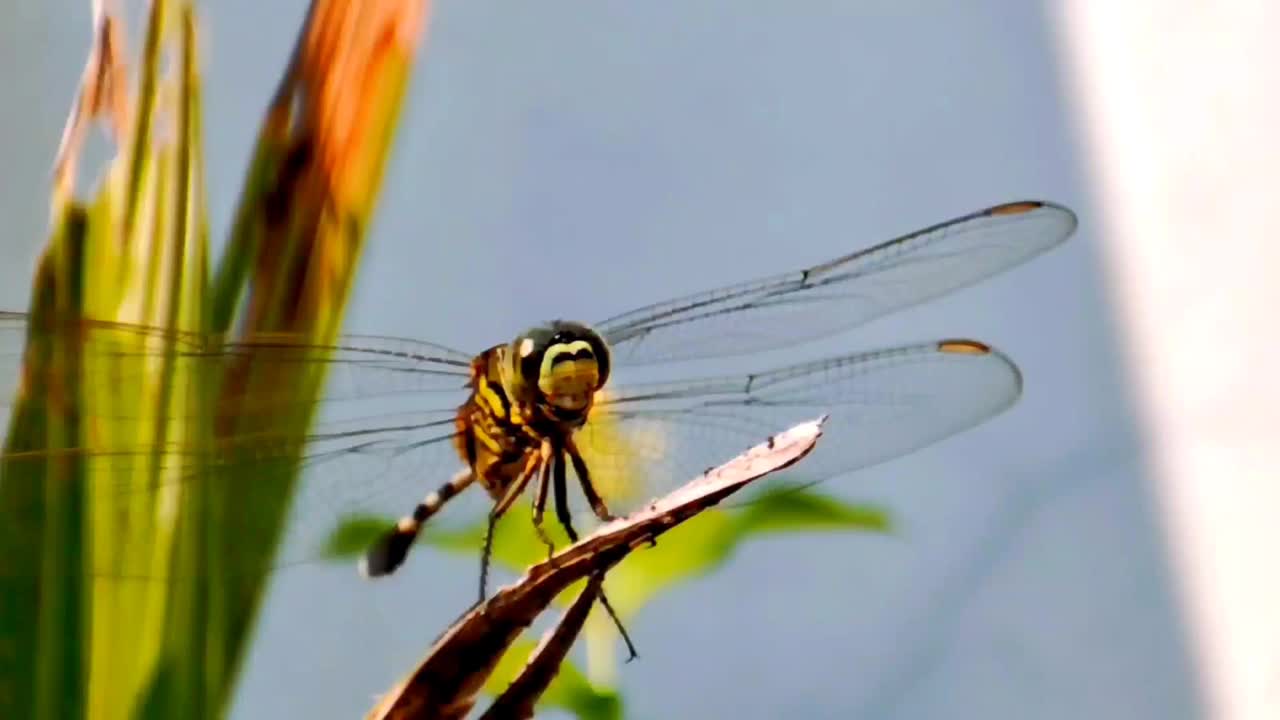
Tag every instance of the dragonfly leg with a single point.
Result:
(531, 466)
(540, 500)
(562, 497)
(632, 653)
(562, 512)
(584, 477)
(390, 551)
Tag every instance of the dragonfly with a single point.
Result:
(546, 410)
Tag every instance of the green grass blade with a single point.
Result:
(76, 638)
(300, 230)
(42, 671)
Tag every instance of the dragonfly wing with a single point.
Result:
(841, 294)
(645, 439)
(359, 476)
(381, 439)
(361, 468)
(131, 357)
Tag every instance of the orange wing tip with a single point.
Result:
(964, 347)
(1016, 208)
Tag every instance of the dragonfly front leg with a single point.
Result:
(540, 498)
(562, 512)
(562, 497)
(531, 466)
(584, 478)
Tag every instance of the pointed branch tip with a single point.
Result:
(447, 682)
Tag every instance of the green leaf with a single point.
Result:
(515, 543)
(353, 535)
(786, 508)
(703, 544)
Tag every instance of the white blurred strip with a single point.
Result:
(1178, 105)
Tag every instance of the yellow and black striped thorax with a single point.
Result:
(539, 385)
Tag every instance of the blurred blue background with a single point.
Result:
(580, 159)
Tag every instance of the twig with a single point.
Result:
(522, 694)
(445, 684)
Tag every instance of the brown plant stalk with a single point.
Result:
(445, 684)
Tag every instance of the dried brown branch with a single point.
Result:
(446, 682)
(522, 694)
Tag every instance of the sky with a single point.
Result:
(577, 160)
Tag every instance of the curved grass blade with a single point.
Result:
(293, 253)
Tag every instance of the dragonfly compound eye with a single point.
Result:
(565, 363)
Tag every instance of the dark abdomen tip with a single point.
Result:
(387, 554)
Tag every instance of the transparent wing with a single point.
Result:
(883, 404)
(380, 441)
(362, 460)
(368, 467)
(642, 440)
(129, 356)
(841, 294)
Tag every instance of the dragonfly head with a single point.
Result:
(559, 366)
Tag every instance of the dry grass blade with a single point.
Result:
(345, 50)
(319, 164)
(445, 684)
(103, 93)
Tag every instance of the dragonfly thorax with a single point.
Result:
(557, 368)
